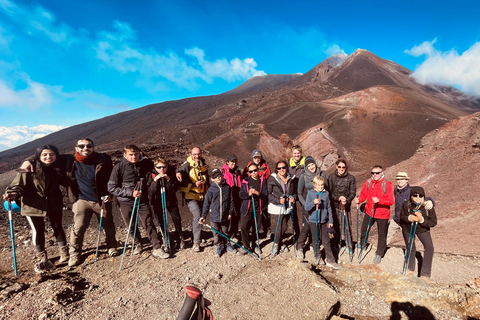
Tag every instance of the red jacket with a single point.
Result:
(382, 208)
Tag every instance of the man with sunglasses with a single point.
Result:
(88, 172)
(379, 196)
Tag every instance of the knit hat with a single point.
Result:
(232, 157)
(309, 160)
(419, 190)
(402, 175)
(216, 173)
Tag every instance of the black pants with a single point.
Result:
(323, 237)
(235, 220)
(38, 230)
(247, 224)
(382, 225)
(305, 230)
(282, 221)
(177, 219)
(426, 240)
(146, 219)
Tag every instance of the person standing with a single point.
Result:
(342, 191)
(414, 211)
(378, 193)
(193, 176)
(233, 177)
(40, 196)
(296, 168)
(125, 177)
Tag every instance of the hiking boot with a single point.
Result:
(43, 263)
(64, 254)
(112, 252)
(333, 265)
(230, 248)
(377, 259)
(138, 248)
(285, 248)
(160, 253)
(74, 260)
(196, 247)
(218, 253)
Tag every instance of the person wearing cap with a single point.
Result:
(414, 211)
(378, 193)
(305, 183)
(219, 204)
(402, 194)
(194, 182)
(162, 179)
(233, 177)
(263, 171)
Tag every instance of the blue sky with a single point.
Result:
(67, 62)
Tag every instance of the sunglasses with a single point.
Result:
(376, 172)
(252, 171)
(341, 167)
(281, 168)
(161, 167)
(417, 195)
(82, 146)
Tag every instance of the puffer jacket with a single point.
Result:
(382, 208)
(155, 192)
(39, 195)
(125, 176)
(324, 208)
(218, 202)
(342, 185)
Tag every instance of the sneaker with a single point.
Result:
(182, 244)
(218, 252)
(196, 247)
(377, 259)
(285, 248)
(112, 252)
(138, 249)
(230, 248)
(74, 260)
(275, 249)
(333, 265)
(64, 254)
(160, 253)
(43, 263)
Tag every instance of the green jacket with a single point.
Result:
(38, 195)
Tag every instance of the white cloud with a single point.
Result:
(334, 49)
(449, 67)
(17, 135)
(120, 50)
(38, 20)
(33, 96)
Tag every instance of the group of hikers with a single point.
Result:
(239, 204)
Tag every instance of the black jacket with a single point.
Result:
(344, 185)
(429, 216)
(218, 196)
(276, 188)
(154, 188)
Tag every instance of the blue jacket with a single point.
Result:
(324, 208)
(247, 200)
(216, 194)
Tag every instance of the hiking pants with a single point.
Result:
(83, 211)
(323, 237)
(393, 227)
(304, 231)
(146, 219)
(177, 219)
(426, 240)
(247, 224)
(282, 226)
(223, 228)
(38, 230)
(382, 225)
(195, 207)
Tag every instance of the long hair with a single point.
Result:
(38, 167)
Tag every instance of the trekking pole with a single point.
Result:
(316, 236)
(256, 227)
(366, 234)
(293, 229)
(340, 206)
(411, 240)
(357, 245)
(276, 229)
(165, 219)
(12, 236)
(128, 231)
(212, 228)
(100, 227)
(347, 236)
(136, 219)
